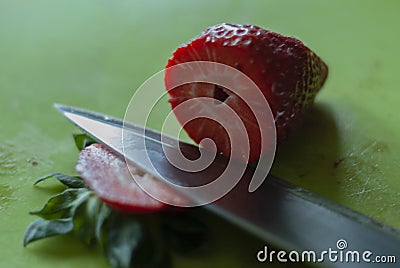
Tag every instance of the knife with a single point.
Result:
(284, 215)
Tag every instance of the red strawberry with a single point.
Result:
(287, 72)
(108, 176)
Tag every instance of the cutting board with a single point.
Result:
(94, 54)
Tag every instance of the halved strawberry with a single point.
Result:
(287, 72)
(108, 176)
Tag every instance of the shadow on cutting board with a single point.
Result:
(311, 154)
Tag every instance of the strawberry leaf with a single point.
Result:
(86, 219)
(62, 205)
(103, 214)
(41, 228)
(69, 181)
(184, 232)
(128, 240)
(121, 238)
(152, 253)
(82, 141)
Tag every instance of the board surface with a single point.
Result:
(94, 54)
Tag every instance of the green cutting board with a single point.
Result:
(94, 54)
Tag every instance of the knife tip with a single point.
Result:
(58, 106)
(62, 108)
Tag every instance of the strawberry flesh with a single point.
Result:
(109, 177)
(287, 73)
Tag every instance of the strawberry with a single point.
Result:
(288, 74)
(108, 176)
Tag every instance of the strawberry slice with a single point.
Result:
(287, 72)
(109, 177)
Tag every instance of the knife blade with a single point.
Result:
(282, 214)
